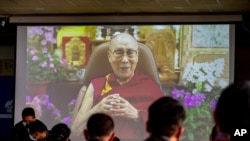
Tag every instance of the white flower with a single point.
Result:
(223, 84)
(187, 70)
(208, 88)
(211, 79)
(207, 73)
(194, 91)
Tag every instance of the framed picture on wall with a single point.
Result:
(206, 36)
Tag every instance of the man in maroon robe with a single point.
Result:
(124, 94)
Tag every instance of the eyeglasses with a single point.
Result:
(119, 53)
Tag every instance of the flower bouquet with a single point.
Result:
(43, 64)
(202, 84)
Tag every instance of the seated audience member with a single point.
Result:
(60, 132)
(20, 129)
(125, 93)
(165, 120)
(100, 127)
(233, 110)
(38, 131)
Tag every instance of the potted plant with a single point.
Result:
(202, 84)
(43, 64)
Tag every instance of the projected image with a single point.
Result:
(74, 71)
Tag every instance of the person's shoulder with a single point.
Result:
(141, 75)
(99, 80)
(19, 124)
(144, 78)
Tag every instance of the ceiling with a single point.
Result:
(68, 7)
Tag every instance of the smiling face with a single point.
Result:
(123, 56)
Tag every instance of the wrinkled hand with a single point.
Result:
(106, 104)
(121, 107)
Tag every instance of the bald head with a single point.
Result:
(123, 39)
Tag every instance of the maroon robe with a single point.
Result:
(140, 91)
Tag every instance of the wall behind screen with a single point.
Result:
(242, 59)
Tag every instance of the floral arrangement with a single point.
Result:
(42, 101)
(202, 84)
(43, 64)
(204, 76)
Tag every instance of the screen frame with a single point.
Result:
(21, 57)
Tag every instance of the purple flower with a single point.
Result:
(56, 112)
(213, 104)
(33, 51)
(50, 58)
(72, 102)
(28, 99)
(44, 64)
(189, 99)
(35, 30)
(51, 65)
(48, 28)
(45, 50)
(178, 93)
(193, 100)
(67, 120)
(46, 100)
(53, 40)
(49, 105)
(63, 62)
(44, 42)
(49, 36)
(35, 58)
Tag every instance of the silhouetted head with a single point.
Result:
(28, 115)
(233, 107)
(60, 132)
(99, 127)
(165, 117)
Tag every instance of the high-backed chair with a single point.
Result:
(99, 66)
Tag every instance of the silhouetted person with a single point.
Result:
(20, 129)
(233, 110)
(165, 120)
(100, 127)
(213, 134)
(38, 131)
(125, 93)
(60, 132)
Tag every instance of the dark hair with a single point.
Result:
(60, 132)
(28, 111)
(165, 115)
(99, 124)
(233, 107)
(36, 126)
